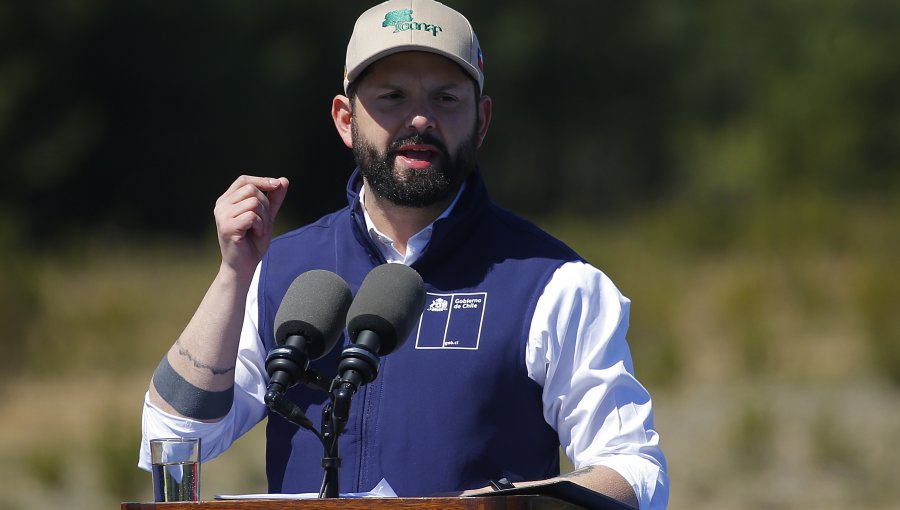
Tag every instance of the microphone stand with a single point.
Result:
(334, 419)
(331, 460)
(358, 366)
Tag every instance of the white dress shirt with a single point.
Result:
(576, 351)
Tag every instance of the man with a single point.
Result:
(521, 347)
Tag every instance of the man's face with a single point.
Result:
(415, 128)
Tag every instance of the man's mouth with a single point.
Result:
(417, 156)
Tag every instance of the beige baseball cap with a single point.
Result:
(413, 25)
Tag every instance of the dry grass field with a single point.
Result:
(772, 351)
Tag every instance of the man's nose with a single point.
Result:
(421, 118)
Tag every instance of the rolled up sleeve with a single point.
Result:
(578, 352)
(247, 410)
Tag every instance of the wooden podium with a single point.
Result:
(555, 495)
(523, 502)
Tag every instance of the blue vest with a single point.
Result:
(453, 407)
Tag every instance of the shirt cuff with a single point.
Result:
(156, 423)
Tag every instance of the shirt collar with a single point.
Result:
(416, 244)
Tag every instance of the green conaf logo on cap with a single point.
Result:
(402, 21)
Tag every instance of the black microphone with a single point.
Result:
(307, 326)
(384, 311)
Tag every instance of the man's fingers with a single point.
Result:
(264, 184)
(276, 197)
(250, 196)
(247, 221)
(244, 215)
(247, 210)
(257, 205)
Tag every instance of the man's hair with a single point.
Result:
(354, 85)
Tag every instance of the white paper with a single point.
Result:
(382, 490)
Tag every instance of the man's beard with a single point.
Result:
(414, 187)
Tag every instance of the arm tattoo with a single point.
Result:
(189, 400)
(578, 472)
(182, 351)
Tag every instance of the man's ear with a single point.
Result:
(484, 117)
(342, 114)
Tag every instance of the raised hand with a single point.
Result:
(245, 214)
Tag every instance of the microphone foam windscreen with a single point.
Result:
(314, 307)
(389, 302)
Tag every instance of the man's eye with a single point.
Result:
(447, 98)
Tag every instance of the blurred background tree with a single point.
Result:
(133, 115)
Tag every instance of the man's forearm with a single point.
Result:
(196, 377)
(605, 481)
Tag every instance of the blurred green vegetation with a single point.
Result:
(135, 115)
(763, 292)
(765, 284)
(113, 445)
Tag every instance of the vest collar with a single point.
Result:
(448, 232)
